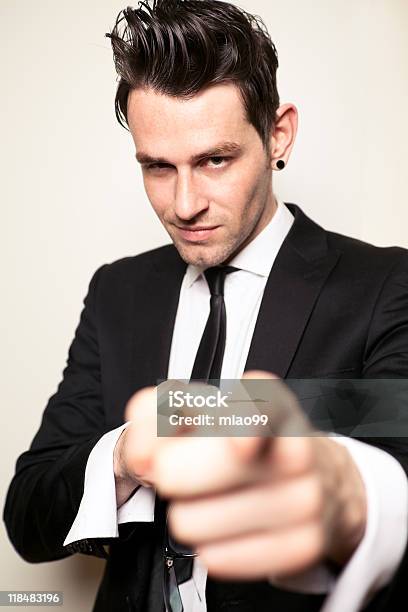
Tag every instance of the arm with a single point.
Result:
(378, 567)
(386, 356)
(46, 490)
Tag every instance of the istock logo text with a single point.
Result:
(178, 399)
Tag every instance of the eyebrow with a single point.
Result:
(217, 150)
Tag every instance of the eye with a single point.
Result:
(217, 161)
(157, 166)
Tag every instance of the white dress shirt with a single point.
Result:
(380, 551)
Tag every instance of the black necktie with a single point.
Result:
(208, 361)
(207, 366)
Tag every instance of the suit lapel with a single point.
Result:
(297, 277)
(156, 300)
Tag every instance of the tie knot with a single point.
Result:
(216, 276)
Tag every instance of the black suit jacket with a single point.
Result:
(333, 307)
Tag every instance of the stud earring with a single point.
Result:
(280, 164)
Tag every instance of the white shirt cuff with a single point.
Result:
(97, 516)
(381, 549)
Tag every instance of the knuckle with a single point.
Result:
(297, 455)
(308, 454)
(311, 545)
(317, 540)
(313, 497)
(179, 522)
(137, 455)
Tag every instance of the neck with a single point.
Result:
(266, 216)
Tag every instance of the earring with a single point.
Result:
(280, 164)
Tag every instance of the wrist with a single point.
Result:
(124, 484)
(119, 465)
(349, 516)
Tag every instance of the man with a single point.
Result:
(314, 523)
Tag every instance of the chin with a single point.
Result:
(203, 255)
(205, 260)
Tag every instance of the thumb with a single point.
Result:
(142, 403)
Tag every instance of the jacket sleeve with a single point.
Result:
(386, 354)
(45, 492)
(386, 357)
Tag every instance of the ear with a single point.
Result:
(284, 134)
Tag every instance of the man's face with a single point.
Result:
(204, 166)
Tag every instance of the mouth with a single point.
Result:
(197, 234)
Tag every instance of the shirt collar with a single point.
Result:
(258, 256)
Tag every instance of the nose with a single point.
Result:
(188, 202)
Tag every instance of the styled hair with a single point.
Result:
(179, 47)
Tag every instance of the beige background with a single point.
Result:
(72, 196)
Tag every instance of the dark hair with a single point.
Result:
(178, 47)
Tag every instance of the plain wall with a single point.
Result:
(72, 197)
